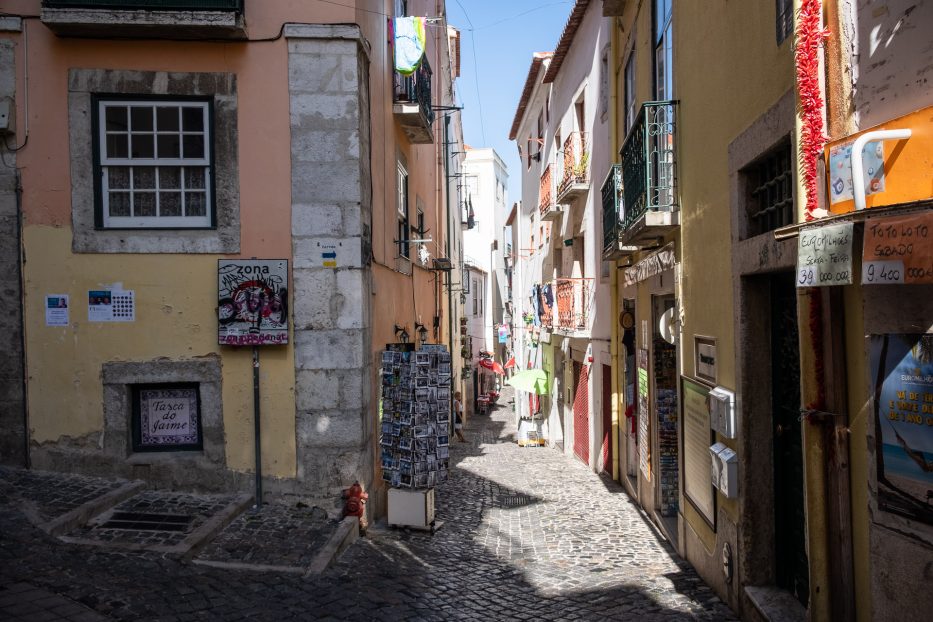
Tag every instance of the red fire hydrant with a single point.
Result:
(355, 502)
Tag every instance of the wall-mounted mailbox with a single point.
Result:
(729, 473)
(722, 411)
(715, 472)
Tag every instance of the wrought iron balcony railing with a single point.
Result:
(613, 210)
(148, 5)
(574, 171)
(574, 298)
(546, 190)
(649, 173)
(415, 90)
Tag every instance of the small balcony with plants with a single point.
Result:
(412, 104)
(649, 207)
(155, 19)
(573, 179)
(547, 206)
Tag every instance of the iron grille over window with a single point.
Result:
(154, 160)
(770, 183)
(784, 19)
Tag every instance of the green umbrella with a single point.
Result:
(530, 380)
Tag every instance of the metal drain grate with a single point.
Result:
(512, 501)
(147, 522)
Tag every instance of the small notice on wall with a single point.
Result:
(56, 310)
(111, 305)
(898, 250)
(824, 256)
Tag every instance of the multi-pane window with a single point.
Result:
(663, 50)
(630, 91)
(155, 164)
(784, 19)
(770, 184)
(402, 206)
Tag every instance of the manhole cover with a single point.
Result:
(515, 500)
(147, 522)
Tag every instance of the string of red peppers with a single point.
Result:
(810, 35)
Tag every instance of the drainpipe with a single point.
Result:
(614, 358)
(21, 260)
(450, 304)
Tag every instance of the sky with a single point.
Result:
(495, 56)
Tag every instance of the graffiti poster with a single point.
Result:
(902, 377)
(252, 306)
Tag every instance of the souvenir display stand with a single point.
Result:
(415, 439)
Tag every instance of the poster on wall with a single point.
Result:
(111, 305)
(166, 418)
(252, 302)
(840, 170)
(56, 310)
(824, 256)
(697, 437)
(902, 386)
(644, 452)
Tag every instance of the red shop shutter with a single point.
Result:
(581, 413)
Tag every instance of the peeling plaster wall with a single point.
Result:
(893, 59)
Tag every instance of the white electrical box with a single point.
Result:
(411, 508)
(729, 473)
(722, 411)
(715, 467)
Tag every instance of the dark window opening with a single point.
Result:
(769, 182)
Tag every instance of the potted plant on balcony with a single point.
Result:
(579, 169)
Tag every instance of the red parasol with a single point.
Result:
(510, 363)
(491, 364)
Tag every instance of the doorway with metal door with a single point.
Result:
(581, 412)
(790, 553)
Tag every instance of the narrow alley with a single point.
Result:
(527, 533)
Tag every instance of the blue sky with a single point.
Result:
(506, 33)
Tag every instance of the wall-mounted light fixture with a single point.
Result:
(422, 332)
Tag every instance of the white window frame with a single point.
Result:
(205, 162)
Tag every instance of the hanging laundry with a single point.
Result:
(409, 44)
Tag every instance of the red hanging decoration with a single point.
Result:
(809, 38)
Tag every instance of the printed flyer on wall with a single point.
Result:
(56, 310)
(902, 373)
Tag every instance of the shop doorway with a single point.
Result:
(790, 554)
(606, 454)
(581, 412)
(665, 417)
(629, 425)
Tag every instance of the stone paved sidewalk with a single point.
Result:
(528, 533)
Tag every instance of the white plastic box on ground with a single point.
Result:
(411, 508)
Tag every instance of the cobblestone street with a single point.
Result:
(527, 534)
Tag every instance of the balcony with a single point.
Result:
(412, 104)
(546, 204)
(613, 216)
(650, 206)
(574, 299)
(574, 172)
(156, 19)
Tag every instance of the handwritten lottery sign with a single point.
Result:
(898, 250)
(824, 256)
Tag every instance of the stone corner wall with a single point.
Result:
(12, 395)
(331, 227)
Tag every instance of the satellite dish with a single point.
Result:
(666, 326)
